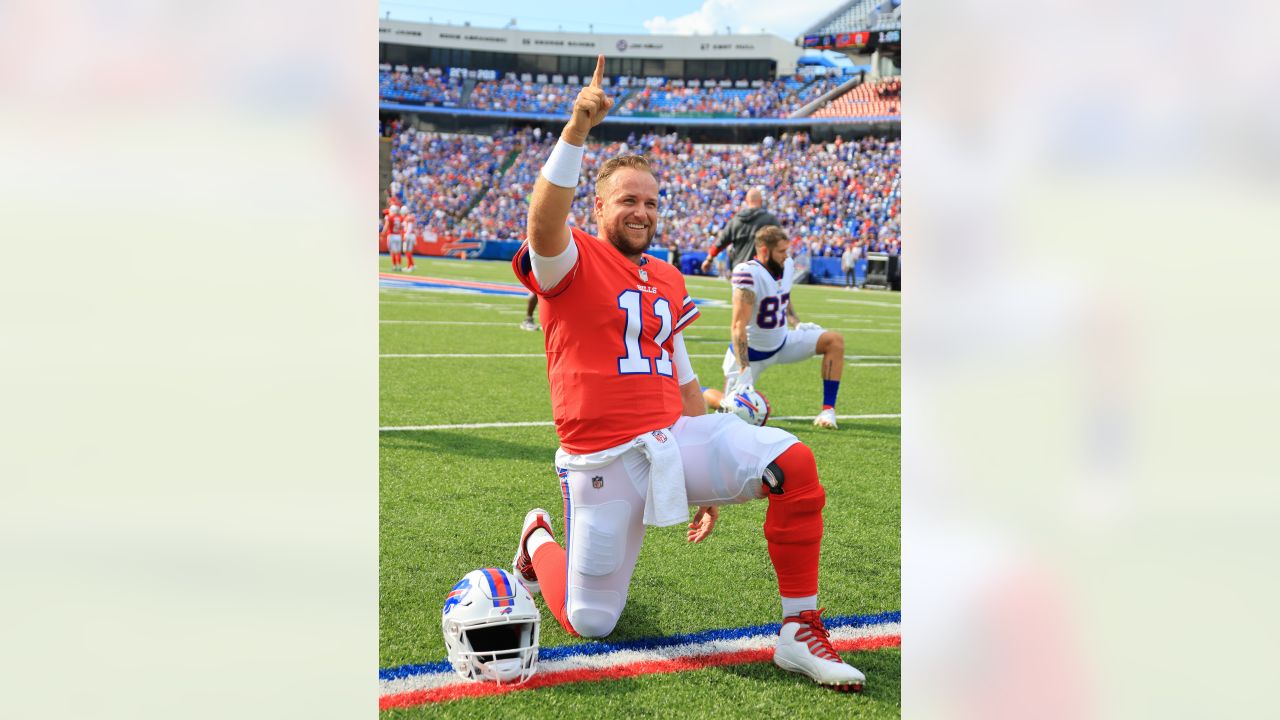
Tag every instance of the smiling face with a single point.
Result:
(627, 210)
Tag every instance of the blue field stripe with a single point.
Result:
(420, 285)
(600, 648)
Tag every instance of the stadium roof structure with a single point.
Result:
(858, 15)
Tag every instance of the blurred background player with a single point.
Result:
(392, 229)
(848, 263)
(614, 332)
(740, 232)
(760, 337)
(410, 237)
(528, 323)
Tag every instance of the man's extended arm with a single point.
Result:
(548, 229)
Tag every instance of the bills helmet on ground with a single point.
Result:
(491, 628)
(748, 404)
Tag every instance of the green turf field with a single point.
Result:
(452, 500)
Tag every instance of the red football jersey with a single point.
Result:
(609, 326)
(397, 224)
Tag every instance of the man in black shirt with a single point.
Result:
(740, 232)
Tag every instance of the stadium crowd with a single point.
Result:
(879, 99)
(511, 95)
(438, 176)
(826, 195)
(775, 99)
(420, 86)
(778, 98)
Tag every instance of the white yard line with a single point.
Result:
(467, 355)
(864, 302)
(851, 358)
(548, 423)
(447, 322)
(515, 325)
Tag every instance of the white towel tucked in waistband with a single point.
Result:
(667, 502)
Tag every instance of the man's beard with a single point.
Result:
(621, 237)
(774, 267)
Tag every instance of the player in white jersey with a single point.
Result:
(760, 333)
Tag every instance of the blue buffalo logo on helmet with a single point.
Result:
(750, 405)
(455, 595)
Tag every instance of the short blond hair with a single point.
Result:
(613, 165)
(770, 236)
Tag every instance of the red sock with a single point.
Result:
(409, 260)
(395, 259)
(793, 523)
(550, 565)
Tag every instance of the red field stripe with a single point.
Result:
(651, 667)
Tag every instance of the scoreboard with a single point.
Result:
(862, 40)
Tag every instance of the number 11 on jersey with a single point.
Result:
(635, 362)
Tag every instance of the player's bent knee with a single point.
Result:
(593, 622)
(799, 472)
(832, 342)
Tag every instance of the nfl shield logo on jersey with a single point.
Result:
(597, 482)
(657, 435)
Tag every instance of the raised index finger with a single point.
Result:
(599, 76)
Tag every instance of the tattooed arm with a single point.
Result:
(744, 303)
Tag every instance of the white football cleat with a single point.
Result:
(826, 419)
(522, 563)
(805, 647)
(528, 324)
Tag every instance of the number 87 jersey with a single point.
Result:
(609, 328)
(767, 328)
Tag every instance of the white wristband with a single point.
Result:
(565, 164)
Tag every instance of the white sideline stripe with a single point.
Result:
(446, 322)
(603, 661)
(516, 325)
(881, 416)
(548, 423)
(465, 355)
(863, 302)
(467, 426)
(851, 358)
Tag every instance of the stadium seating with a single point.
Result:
(418, 86)
(882, 99)
(778, 98)
(515, 96)
(858, 15)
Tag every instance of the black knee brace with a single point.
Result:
(773, 477)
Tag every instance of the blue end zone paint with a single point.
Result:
(600, 648)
